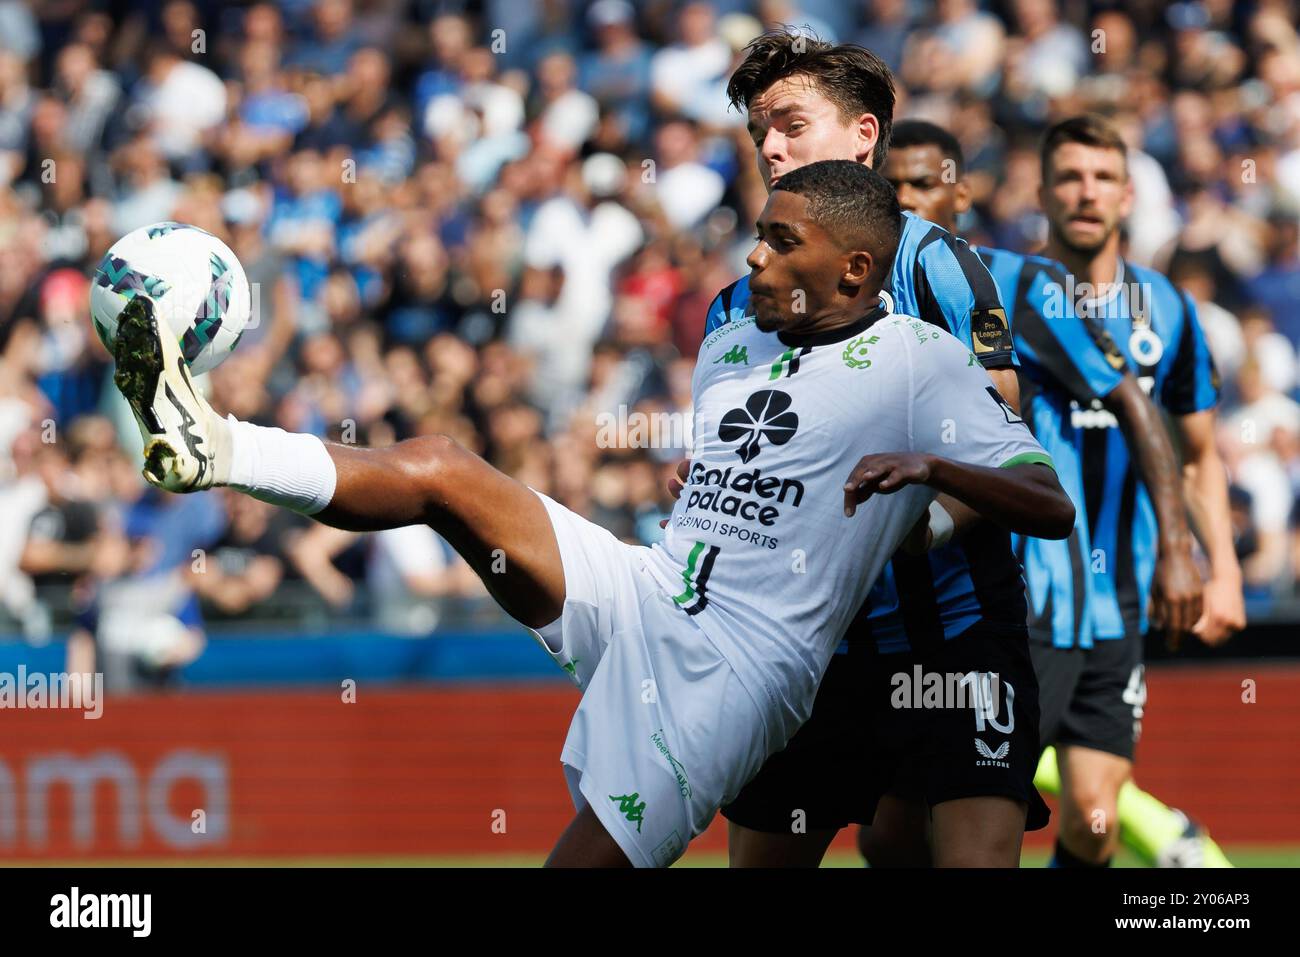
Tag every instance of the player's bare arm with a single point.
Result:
(1176, 586)
(1205, 487)
(1024, 498)
(1008, 384)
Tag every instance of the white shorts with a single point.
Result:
(665, 733)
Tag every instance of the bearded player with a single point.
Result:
(1062, 375)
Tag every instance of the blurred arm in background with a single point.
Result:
(311, 553)
(1205, 486)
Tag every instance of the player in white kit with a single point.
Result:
(701, 656)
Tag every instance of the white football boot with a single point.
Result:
(186, 444)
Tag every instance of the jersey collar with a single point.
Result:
(1096, 304)
(876, 313)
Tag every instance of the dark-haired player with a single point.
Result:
(698, 657)
(956, 609)
(1062, 371)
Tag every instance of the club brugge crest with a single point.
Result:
(1146, 347)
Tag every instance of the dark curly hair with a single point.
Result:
(852, 202)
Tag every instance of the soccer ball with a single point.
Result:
(198, 288)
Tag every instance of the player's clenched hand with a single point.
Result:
(885, 472)
(1223, 611)
(676, 484)
(1176, 595)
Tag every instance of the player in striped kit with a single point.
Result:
(1086, 195)
(1070, 376)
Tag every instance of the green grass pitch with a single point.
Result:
(1242, 856)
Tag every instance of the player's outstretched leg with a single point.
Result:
(499, 526)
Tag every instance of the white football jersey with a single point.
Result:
(758, 549)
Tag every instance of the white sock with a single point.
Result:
(289, 469)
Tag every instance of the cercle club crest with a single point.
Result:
(855, 353)
(765, 415)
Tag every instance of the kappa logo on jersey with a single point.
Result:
(629, 808)
(572, 667)
(766, 415)
(989, 331)
(990, 757)
(736, 355)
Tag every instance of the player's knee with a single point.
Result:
(1093, 796)
(1093, 813)
(435, 463)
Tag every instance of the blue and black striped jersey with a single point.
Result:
(1155, 326)
(1063, 362)
(936, 277)
(924, 599)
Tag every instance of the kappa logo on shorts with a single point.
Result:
(629, 808)
(990, 757)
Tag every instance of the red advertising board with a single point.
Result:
(457, 771)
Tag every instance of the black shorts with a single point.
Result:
(1092, 697)
(874, 730)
